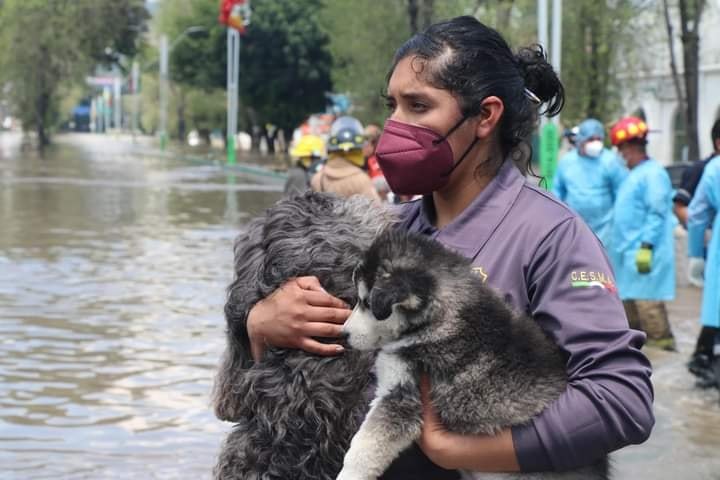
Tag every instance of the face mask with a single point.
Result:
(416, 160)
(594, 148)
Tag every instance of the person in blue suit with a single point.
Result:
(588, 178)
(701, 361)
(702, 212)
(642, 243)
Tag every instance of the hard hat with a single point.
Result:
(628, 128)
(346, 133)
(308, 146)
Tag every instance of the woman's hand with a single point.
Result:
(434, 440)
(294, 313)
(452, 451)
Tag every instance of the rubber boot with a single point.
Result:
(700, 363)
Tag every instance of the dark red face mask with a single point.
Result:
(416, 160)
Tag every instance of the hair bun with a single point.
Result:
(540, 78)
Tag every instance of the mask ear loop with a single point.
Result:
(467, 150)
(463, 156)
(444, 137)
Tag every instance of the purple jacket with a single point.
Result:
(545, 261)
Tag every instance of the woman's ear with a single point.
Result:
(490, 113)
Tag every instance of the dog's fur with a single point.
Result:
(294, 412)
(428, 314)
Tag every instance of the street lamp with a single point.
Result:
(164, 74)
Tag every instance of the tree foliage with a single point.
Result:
(690, 13)
(284, 59)
(595, 34)
(363, 40)
(48, 45)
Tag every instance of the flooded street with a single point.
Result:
(113, 266)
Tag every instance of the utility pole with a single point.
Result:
(117, 103)
(233, 67)
(163, 90)
(542, 27)
(549, 131)
(106, 108)
(235, 14)
(135, 76)
(556, 52)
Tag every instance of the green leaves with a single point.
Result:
(284, 59)
(48, 45)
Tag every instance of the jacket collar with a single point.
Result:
(469, 232)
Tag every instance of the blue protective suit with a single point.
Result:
(643, 213)
(589, 186)
(703, 207)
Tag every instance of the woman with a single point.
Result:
(462, 106)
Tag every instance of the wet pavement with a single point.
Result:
(113, 263)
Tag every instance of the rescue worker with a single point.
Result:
(642, 243)
(588, 178)
(343, 173)
(307, 157)
(455, 135)
(372, 135)
(702, 212)
(701, 359)
(570, 134)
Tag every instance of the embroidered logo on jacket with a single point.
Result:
(588, 279)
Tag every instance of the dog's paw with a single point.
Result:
(349, 474)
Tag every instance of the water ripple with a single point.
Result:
(113, 271)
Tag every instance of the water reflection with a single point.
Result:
(112, 275)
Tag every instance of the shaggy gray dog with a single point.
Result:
(294, 412)
(425, 311)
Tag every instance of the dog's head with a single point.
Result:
(395, 288)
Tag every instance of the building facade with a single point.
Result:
(652, 92)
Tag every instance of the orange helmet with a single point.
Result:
(628, 128)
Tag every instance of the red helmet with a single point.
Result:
(628, 128)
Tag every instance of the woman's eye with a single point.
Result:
(390, 105)
(419, 107)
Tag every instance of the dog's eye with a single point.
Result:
(365, 303)
(383, 273)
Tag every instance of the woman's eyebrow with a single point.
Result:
(414, 95)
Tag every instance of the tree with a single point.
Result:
(420, 15)
(363, 39)
(690, 14)
(284, 58)
(284, 62)
(595, 37)
(48, 45)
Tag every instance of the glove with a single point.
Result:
(643, 258)
(696, 271)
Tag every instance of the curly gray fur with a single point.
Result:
(295, 413)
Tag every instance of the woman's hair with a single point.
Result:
(472, 61)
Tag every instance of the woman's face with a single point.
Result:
(412, 100)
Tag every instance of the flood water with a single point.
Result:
(113, 265)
